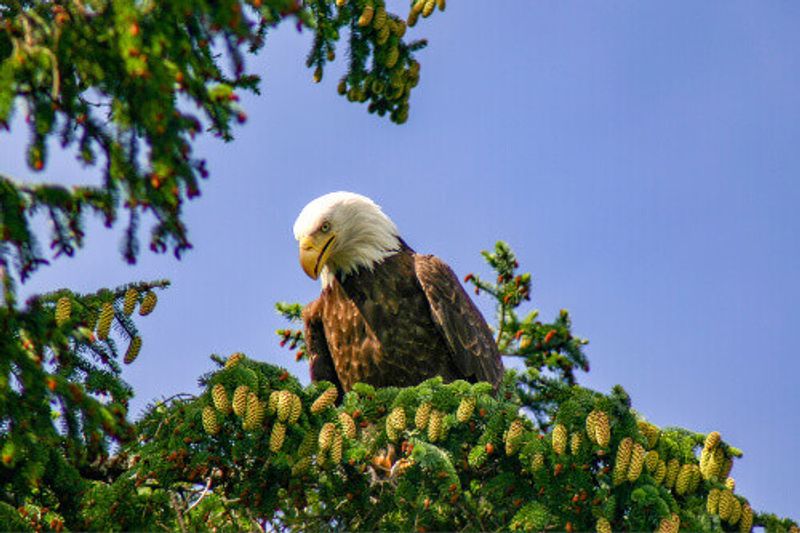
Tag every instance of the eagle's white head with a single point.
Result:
(342, 232)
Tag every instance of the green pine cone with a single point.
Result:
(240, 400)
(712, 501)
(348, 425)
(149, 302)
(673, 467)
(326, 435)
(683, 479)
(423, 415)
(435, 425)
(603, 429)
(104, 322)
(336, 449)
(559, 439)
(623, 460)
(220, 397)
(325, 400)
(296, 409)
(133, 350)
(131, 295)
(637, 461)
(603, 525)
(284, 405)
(210, 423)
(63, 310)
(465, 409)
(276, 437)
(661, 472)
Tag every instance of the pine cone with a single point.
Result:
(712, 502)
(220, 398)
(661, 472)
(427, 8)
(670, 525)
(736, 512)
(575, 441)
(746, 521)
(366, 15)
(296, 409)
(591, 426)
(730, 483)
(441, 4)
(712, 440)
(210, 423)
(513, 436)
(326, 435)
(651, 461)
(603, 429)
(423, 415)
(149, 302)
(324, 400)
(673, 467)
(435, 425)
(391, 57)
(272, 405)
(602, 526)
(256, 410)
(240, 400)
(383, 35)
(397, 418)
(465, 409)
(276, 437)
(348, 425)
(379, 20)
(131, 295)
(684, 477)
(63, 310)
(233, 359)
(560, 439)
(104, 322)
(133, 350)
(336, 449)
(697, 478)
(537, 463)
(623, 460)
(284, 405)
(637, 461)
(726, 504)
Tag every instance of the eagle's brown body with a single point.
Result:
(405, 321)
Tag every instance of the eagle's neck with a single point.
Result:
(365, 261)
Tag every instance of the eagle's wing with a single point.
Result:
(320, 360)
(474, 350)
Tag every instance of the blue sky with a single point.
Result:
(641, 159)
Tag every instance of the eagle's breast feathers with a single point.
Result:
(406, 320)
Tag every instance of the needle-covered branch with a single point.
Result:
(128, 85)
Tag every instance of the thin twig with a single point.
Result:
(202, 495)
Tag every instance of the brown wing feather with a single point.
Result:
(474, 350)
(320, 361)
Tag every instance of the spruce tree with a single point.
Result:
(112, 81)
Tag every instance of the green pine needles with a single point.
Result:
(130, 84)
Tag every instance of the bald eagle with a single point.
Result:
(386, 316)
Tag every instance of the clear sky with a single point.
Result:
(642, 159)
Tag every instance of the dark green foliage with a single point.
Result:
(62, 402)
(130, 84)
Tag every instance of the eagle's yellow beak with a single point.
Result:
(314, 252)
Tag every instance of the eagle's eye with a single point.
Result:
(326, 227)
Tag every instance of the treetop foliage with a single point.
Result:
(128, 85)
